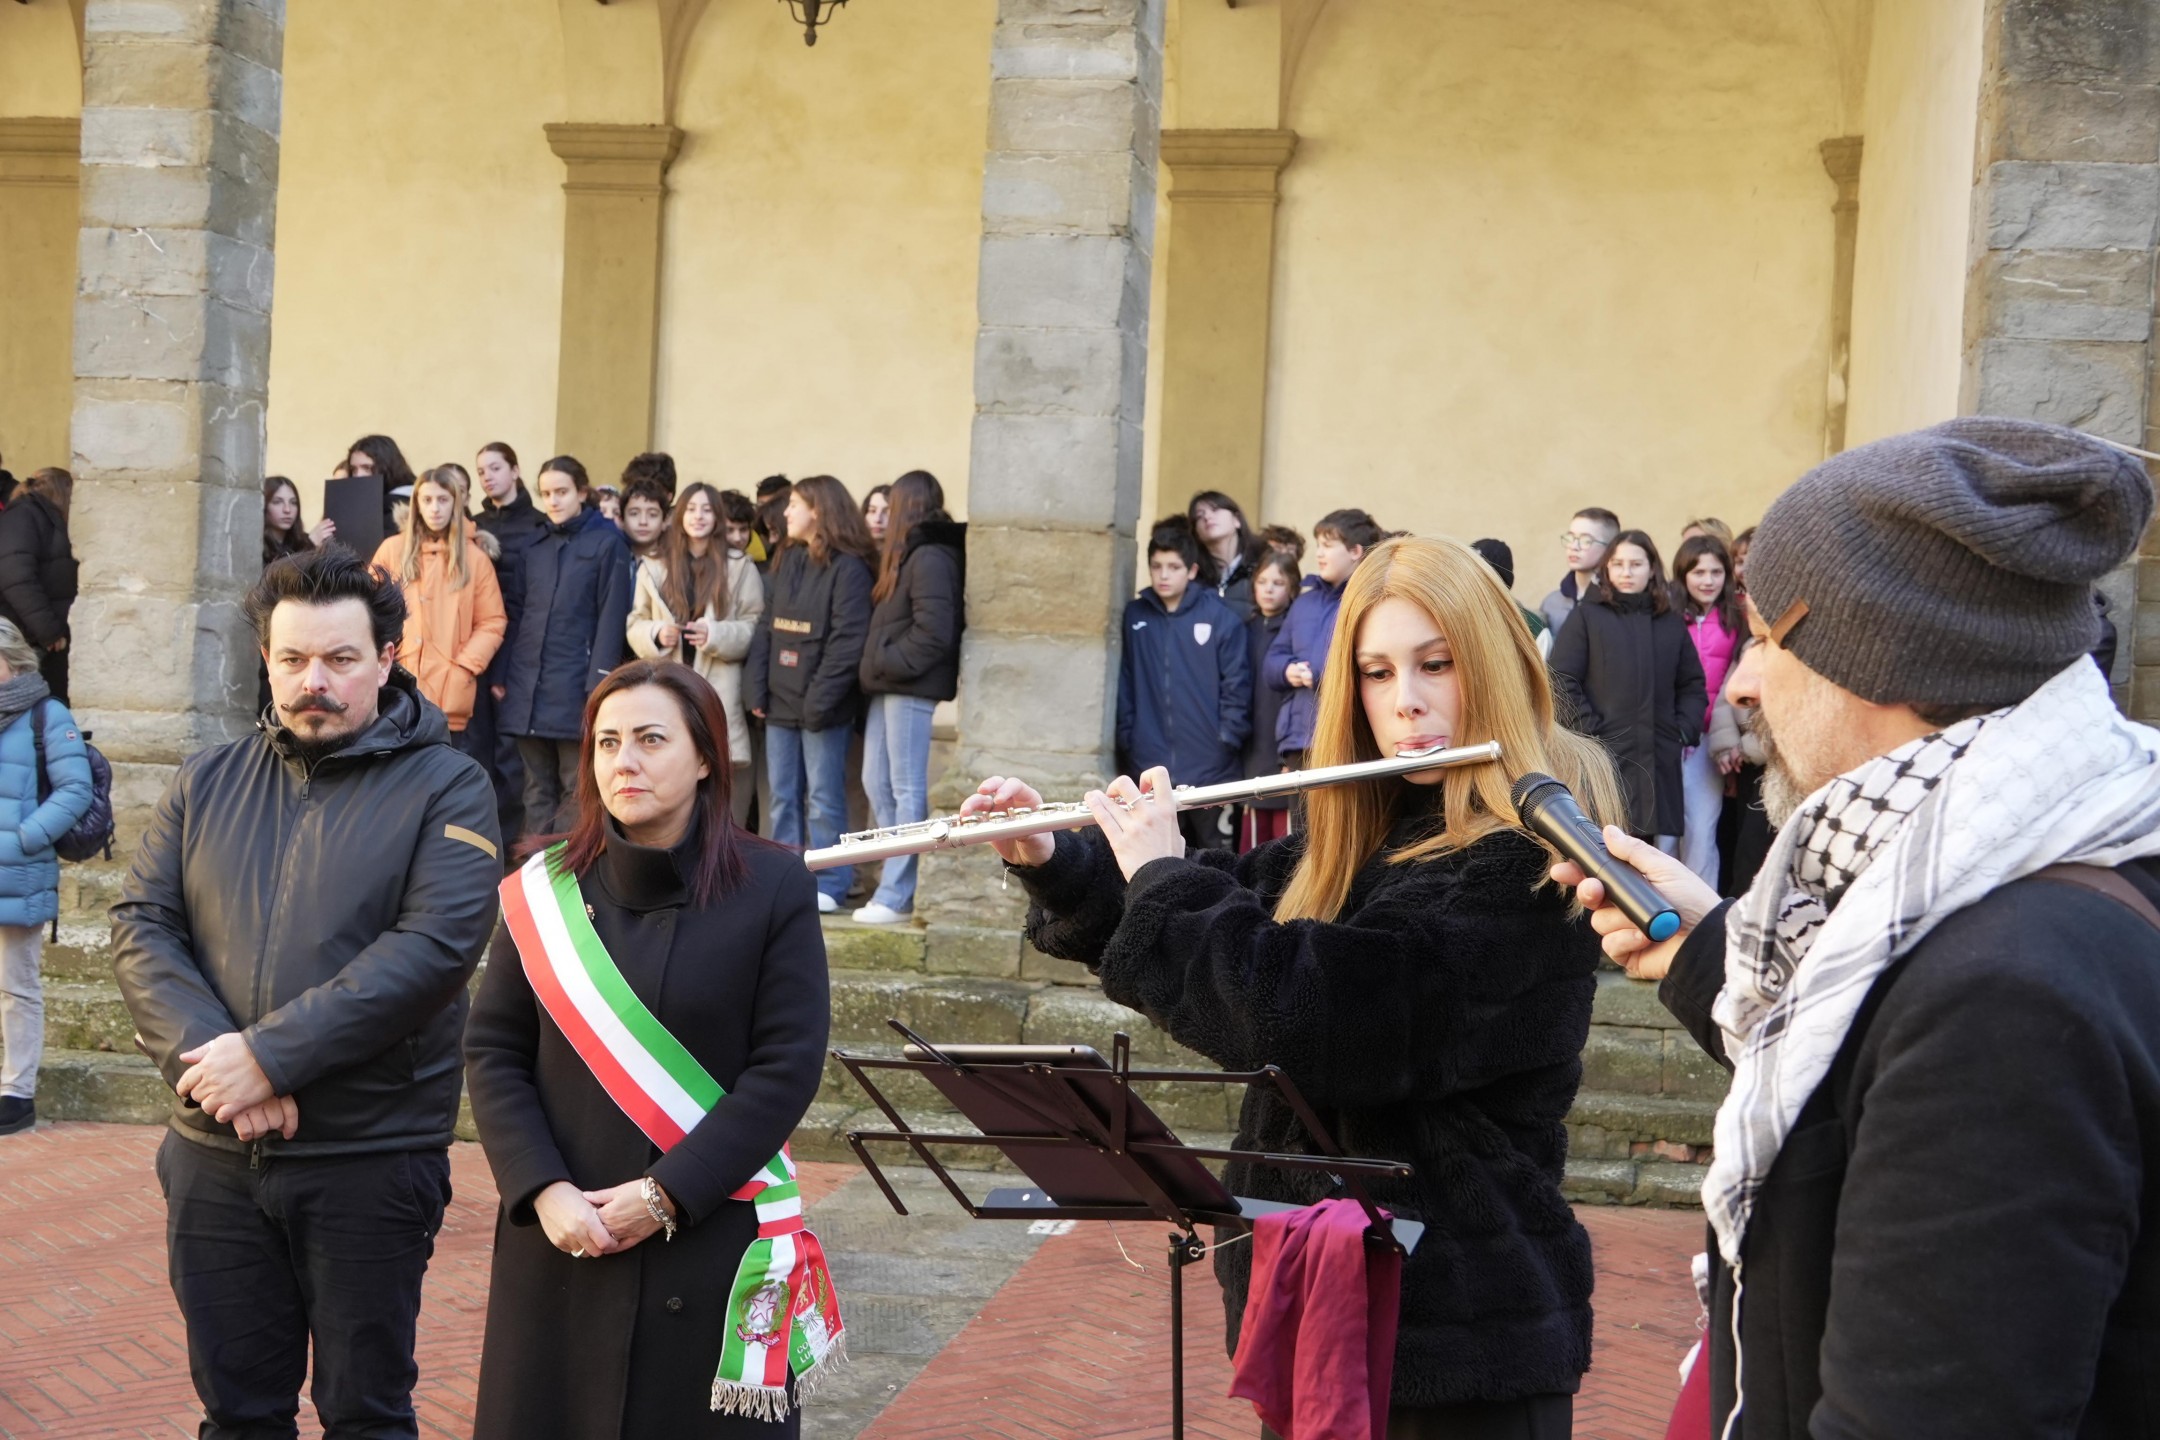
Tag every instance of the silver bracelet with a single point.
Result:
(649, 1191)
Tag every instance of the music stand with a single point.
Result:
(1069, 1120)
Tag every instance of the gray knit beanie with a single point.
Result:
(1953, 565)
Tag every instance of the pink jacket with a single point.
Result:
(1715, 645)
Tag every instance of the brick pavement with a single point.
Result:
(1072, 1347)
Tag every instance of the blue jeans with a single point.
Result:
(896, 772)
(814, 761)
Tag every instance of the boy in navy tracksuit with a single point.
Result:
(1185, 679)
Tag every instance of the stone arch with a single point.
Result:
(622, 61)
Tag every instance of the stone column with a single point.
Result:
(611, 288)
(1841, 157)
(1060, 384)
(2066, 211)
(1218, 278)
(181, 103)
(38, 161)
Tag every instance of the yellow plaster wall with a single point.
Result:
(419, 240)
(40, 64)
(1923, 95)
(823, 223)
(40, 77)
(1535, 254)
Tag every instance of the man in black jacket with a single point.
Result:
(293, 941)
(1933, 1203)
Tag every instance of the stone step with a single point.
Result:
(83, 951)
(88, 888)
(1662, 1183)
(88, 1015)
(97, 1085)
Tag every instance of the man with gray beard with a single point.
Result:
(1934, 1200)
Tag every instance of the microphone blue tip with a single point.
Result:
(1664, 925)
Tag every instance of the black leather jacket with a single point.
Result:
(331, 916)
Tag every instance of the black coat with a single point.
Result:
(626, 1344)
(803, 660)
(1440, 1021)
(914, 642)
(1961, 1236)
(331, 915)
(1261, 757)
(37, 569)
(572, 629)
(1635, 682)
(515, 527)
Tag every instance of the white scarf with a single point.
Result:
(1874, 860)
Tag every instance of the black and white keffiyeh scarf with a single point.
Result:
(1874, 860)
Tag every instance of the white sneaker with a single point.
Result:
(875, 914)
(826, 905)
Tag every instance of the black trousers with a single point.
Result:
(551, 783)
(1535, 1417)
(265, 1256)
(498, 754)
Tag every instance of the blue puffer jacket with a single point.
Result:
(572, 631)
(1306, 633)
(29, 870)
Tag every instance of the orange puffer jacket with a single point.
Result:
(450, 635)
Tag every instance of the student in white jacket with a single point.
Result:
(697, 575)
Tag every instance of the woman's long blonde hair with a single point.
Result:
(1506, 696)
(451, 477)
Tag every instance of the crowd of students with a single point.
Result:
(829, 628)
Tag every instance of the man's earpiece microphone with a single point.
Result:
(1548, 807)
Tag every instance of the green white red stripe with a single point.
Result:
(783, 1313)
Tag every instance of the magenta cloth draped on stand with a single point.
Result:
(1316, 1349)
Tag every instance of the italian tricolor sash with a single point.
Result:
(783, 1313)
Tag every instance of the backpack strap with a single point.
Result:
(37, 739)
(2100, 880)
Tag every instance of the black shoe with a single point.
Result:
(16, 1114)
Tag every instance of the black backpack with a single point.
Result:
(92, 835)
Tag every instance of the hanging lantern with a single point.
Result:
(812, 13)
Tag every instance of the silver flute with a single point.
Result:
(945, 832)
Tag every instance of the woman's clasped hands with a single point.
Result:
(588, 1223)
(1138, 818)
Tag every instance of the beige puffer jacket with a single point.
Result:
(720, 658)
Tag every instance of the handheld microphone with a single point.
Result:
(1548, 807)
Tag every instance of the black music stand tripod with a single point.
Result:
(1069, 1120)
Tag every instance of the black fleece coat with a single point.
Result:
(573, 628)
(914, 642)
(626, 1344)
(1634, 682)
(801, 670)
(515, 527)
(1961, 1236)
(37, 569)
(1440, 1021)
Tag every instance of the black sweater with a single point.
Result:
(1441, 1021)
(1961, 1236)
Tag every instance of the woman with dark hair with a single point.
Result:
(1403, 958)
(38, 571)
(650, 1029)
(508, 516)
(801, 675)
(877, 511)
(284, 531)
(697, 574)
(570, 634)
(910, 661)
(1702, 587)
(455, 608)
(1228, 551)
(1629, 676)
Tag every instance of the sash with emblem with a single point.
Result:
(783, 1314)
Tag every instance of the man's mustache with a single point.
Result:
(327, 704)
